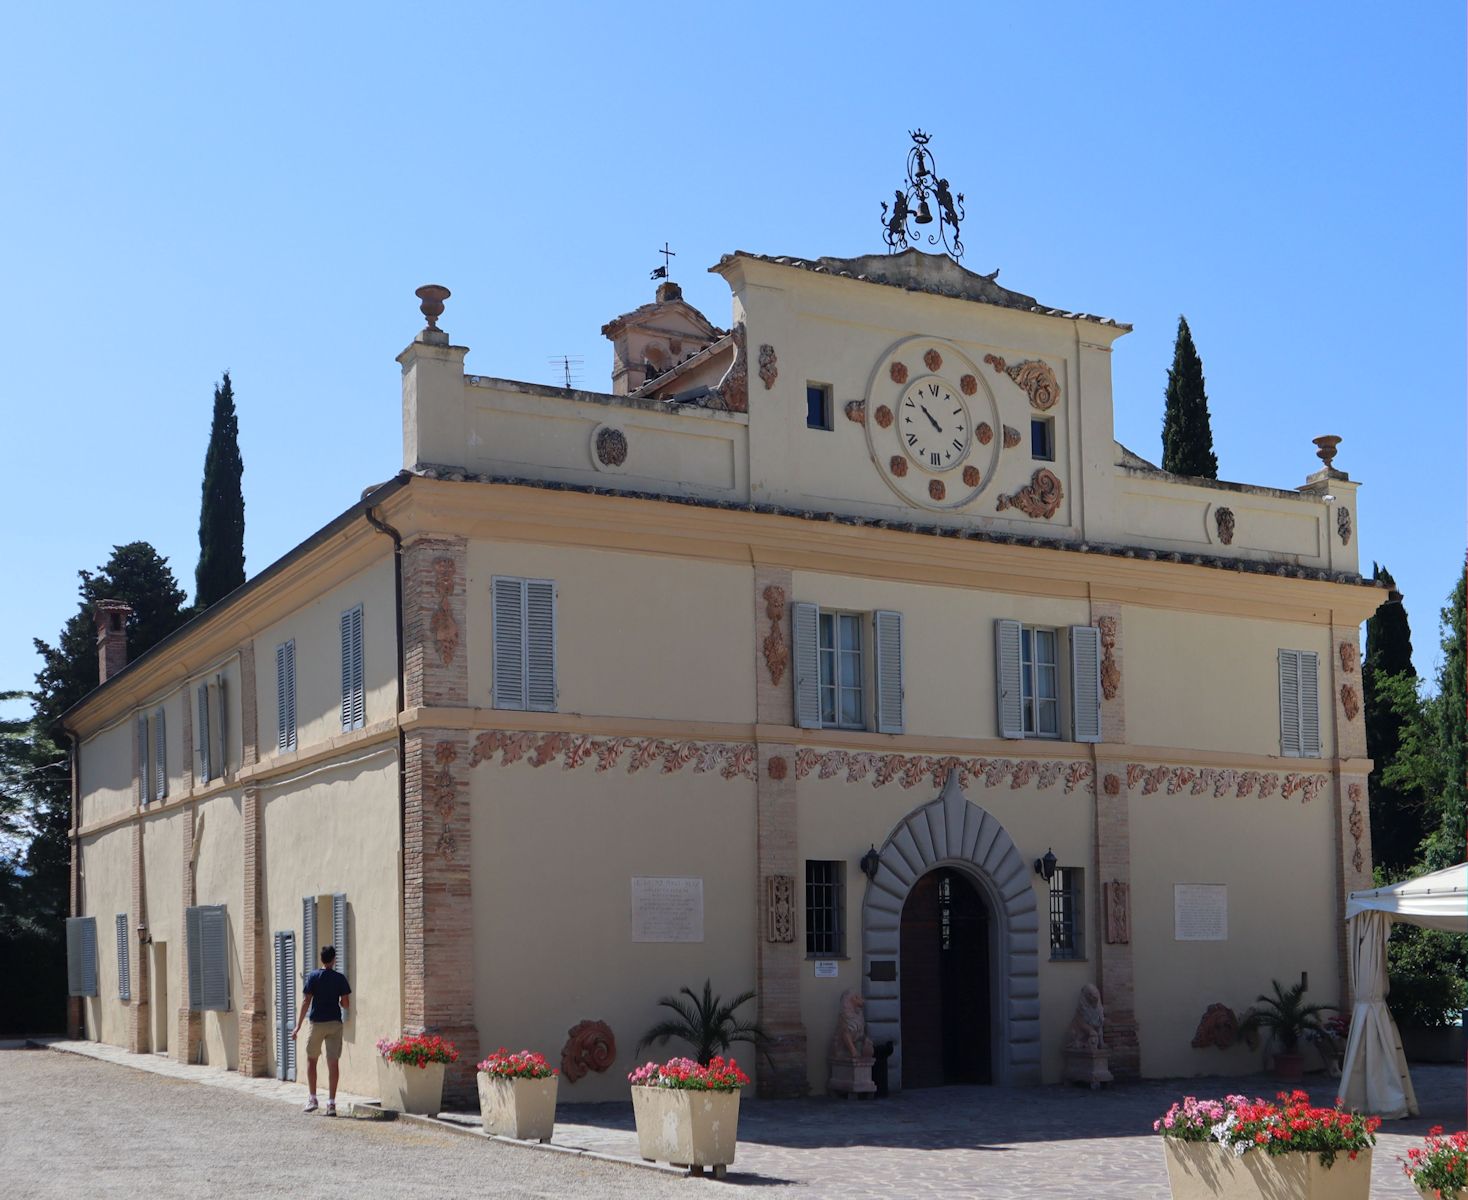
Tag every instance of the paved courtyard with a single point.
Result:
(167, 1131)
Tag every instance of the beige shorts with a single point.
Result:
(327, 1034)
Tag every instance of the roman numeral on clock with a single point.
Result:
(912, 439)
(957, 445)
(935, 458)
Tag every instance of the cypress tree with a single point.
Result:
(1447, 843)
(1398, 820)
(1187, 437)
(222, 514)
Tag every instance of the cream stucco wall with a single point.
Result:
(1211, 682)
(107, 891)
(554, 854)
(316, 628)
(636, 635)
(219, 879)
(333, 829)
(163, 835)
(108, 783)
(1276, 857)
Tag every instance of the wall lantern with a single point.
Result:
(1045, 867)
(871, 862)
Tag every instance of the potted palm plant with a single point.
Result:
(1287, 1018)
(706, 1023)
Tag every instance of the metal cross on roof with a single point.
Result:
(668, 256)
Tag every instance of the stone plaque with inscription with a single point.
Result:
(667, 909)
(1200, 912)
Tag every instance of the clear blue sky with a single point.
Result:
(190, 188)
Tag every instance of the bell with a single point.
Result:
(924, 214)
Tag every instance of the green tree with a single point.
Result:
(222, 513)
(1187, 437)
(1447, 840)
(1398, 815)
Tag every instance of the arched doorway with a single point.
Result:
(945, 982)
(951, 832)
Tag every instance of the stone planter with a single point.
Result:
(518, 1108)
(1289, 1067)
(687, 1129)
(1207, 1171)
(410, 1089)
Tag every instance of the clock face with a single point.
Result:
(933, 424)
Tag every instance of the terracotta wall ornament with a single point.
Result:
(1343, 524)
(1349, 657)
(611, 447)
(910, 770)
(933, 360)
(993, 360)
(1350, 702)
(968, 385)
(898, 372)
(971, 476)
(777, 767)
(1218, 1027)
(1117, 899)
(1110, 672)
(856, 410)
(590, 1046)
(443, 793)
(442, 626)
(769, 366)
(937, 489)
(1223, 781)
(1112, 785)
(780, 903)
(1040, 497)
(1011, 437)
(1223, 521)
(777, 651)
(898, 465)
(1038, 382)
(1358, 826)
(883, 417)
(984, 433)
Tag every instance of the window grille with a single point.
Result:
(825, 906)
(1066, 909)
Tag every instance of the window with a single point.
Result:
(1299, 704)
(207, 930)
(1028, 675)
(81, 956)
(315, 911)
(211, 730)
(160, 756)
(1067, 908)
(1042, 439)
(354, 694)
(124, 972)
(825, 908)
(818, 406)
(1039, 682)
(145, 776)
(841, 671)
(523, 616)
(285, 696)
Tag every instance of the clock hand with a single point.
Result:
(931, 422)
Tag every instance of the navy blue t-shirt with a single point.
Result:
(326, 987)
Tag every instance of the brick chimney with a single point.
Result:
(111, 617)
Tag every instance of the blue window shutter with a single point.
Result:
(160, 756)
(214, 938)
(290, 693)
(359, 671)
(310, 947)
(124, 973)
(285, 1005)
(282, 724)
(339, 936)
(201, 736)
(507, 619)
(1010, 695)
(193, 931)
(222, 765)
(1309, 704)
(1085, 682)
(540, 645)
(145, 789)
(1289, 703)
(888, 627)
(81, 956)
(806, 677)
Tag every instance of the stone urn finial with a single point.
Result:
(433, 295)
(1326, 447)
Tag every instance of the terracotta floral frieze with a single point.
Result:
(732, 760)
(971, 476)
(1110, 671)
(1357, 825)
(441, 625)
(443, 793)
(883, 417)
(910, 770)
(898, 465)
(1040, 497)
(777, 652)
(1223, 781)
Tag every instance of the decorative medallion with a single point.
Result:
(1037, 381)
(1110, 671)
(856, 410)
(777, 767)
(777, 653)
(883, 416)
(1219, 1027)
(933, 361)
(971, 476)
(993, 360)
(898, 466)
(1343, 524)
(442, 626)
(1011, 437)
(936, 489)
(984, 433)
(1350, 702)
(1040, 497)
(769, 367)
(1349, 655)
(1117, 899)
(780, 902)
(590, 1046)
(898, 371)
(1111, 785)
(1357, 825)
(968, 385)
(611, 447)
(443, 794)
(1223, 521)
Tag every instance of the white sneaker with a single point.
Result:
(331, 1108)
(311, 1105)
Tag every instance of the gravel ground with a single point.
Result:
(72, 1127)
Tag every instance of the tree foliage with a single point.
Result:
(222, 512)
(1398, 814)
(1187, 436)
(706, 1023)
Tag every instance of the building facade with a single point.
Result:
(785, 664)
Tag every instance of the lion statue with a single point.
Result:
(1084, 1031)
(850, 1039)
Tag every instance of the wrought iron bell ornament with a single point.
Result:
(924, 214)
(903, 220)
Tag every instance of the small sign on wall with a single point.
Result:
(826, 969)
(1200, 912)
(667, 909)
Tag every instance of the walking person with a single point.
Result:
(327, 993)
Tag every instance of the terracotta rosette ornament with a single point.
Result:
(984, 432)
(898, 466)
(971, 476)
(968, 385)
(937, 489)
(933, 360)
(883, 416)
(898, 371)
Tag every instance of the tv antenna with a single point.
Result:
(569, 366)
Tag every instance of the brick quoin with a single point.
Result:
(252, 1026)
(436, 661)
(138, 1008)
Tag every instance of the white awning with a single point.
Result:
(1437, 901)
